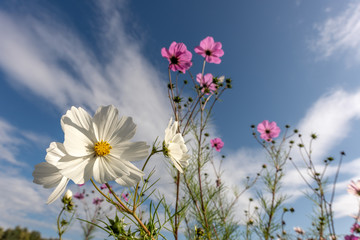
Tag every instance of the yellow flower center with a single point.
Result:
(102, 148)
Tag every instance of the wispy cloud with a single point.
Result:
(339, 34)
(12, 139)
(50, 59)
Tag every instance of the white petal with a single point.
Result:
(108, 169)
(128, 181)
(123, 132)
(130, 151)
(77, 116)
(47, 175)
(77, 169)
(58, 190)
(55, 152)
(78, 142)
(105, 122)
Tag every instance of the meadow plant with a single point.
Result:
(99, 149)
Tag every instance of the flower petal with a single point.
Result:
(105, 122)
(78, 141)
(47, 175)
(58, 190)
(131, 151)
(108, 168)
(55, 152)
(77, 116)
(124, 131)
(77, 169)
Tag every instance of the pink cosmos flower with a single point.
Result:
(125, 196)
(206, 83)
(79, 195)
(217, 144)
(355, 228)
(351, 237)
(210, 50)
(268, 130)
(97, 201)
(179, 57)
(80, 185)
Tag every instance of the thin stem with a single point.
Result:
(58, 223)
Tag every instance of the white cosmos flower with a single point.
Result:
(68, 194)
(175, 146)
(96, 147)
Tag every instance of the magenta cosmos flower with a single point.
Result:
(179, 57)
(351, 237)
(206, 83)
(97, 201)
(217, 144)
(354, 188)
(355, 228)
(210, 50)
(268, 130)
(79, 195)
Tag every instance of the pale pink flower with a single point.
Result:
(217, 144)
(97, 201)
(206, 83)
(210, 50)
(354, 188)
(125, 196)
(103, 186)
(80, 185)
(351, 237)
(179, 57)
(268, 130)
(79, 195)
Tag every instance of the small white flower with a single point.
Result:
(175, 146)
(68, 194)
(221, 79)
(96, 147)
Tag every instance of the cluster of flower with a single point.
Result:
(354, 189)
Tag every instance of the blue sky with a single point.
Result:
(293, 62)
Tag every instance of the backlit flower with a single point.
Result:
(354, 188)
(210, 50)
(68, 195)
(217, 143)
(174, 146)
(268, 130)
(206, 83)
(179, 57)
(97, 147)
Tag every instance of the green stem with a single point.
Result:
(58, 223)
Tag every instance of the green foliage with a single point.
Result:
(19, 233)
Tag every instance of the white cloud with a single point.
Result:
(339, 34)
(11, 140)
(65, 71)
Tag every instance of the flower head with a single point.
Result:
(206, 83)
(79, 196)
(68, 195)
(179, 57)
(268, 130)
(97, 147)
(355, 228)
(299, 230)
(210, 50)
(354, 188)
(174, 146)
(125, 196)
(351, 237)
(217, 143)
(97, 201)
